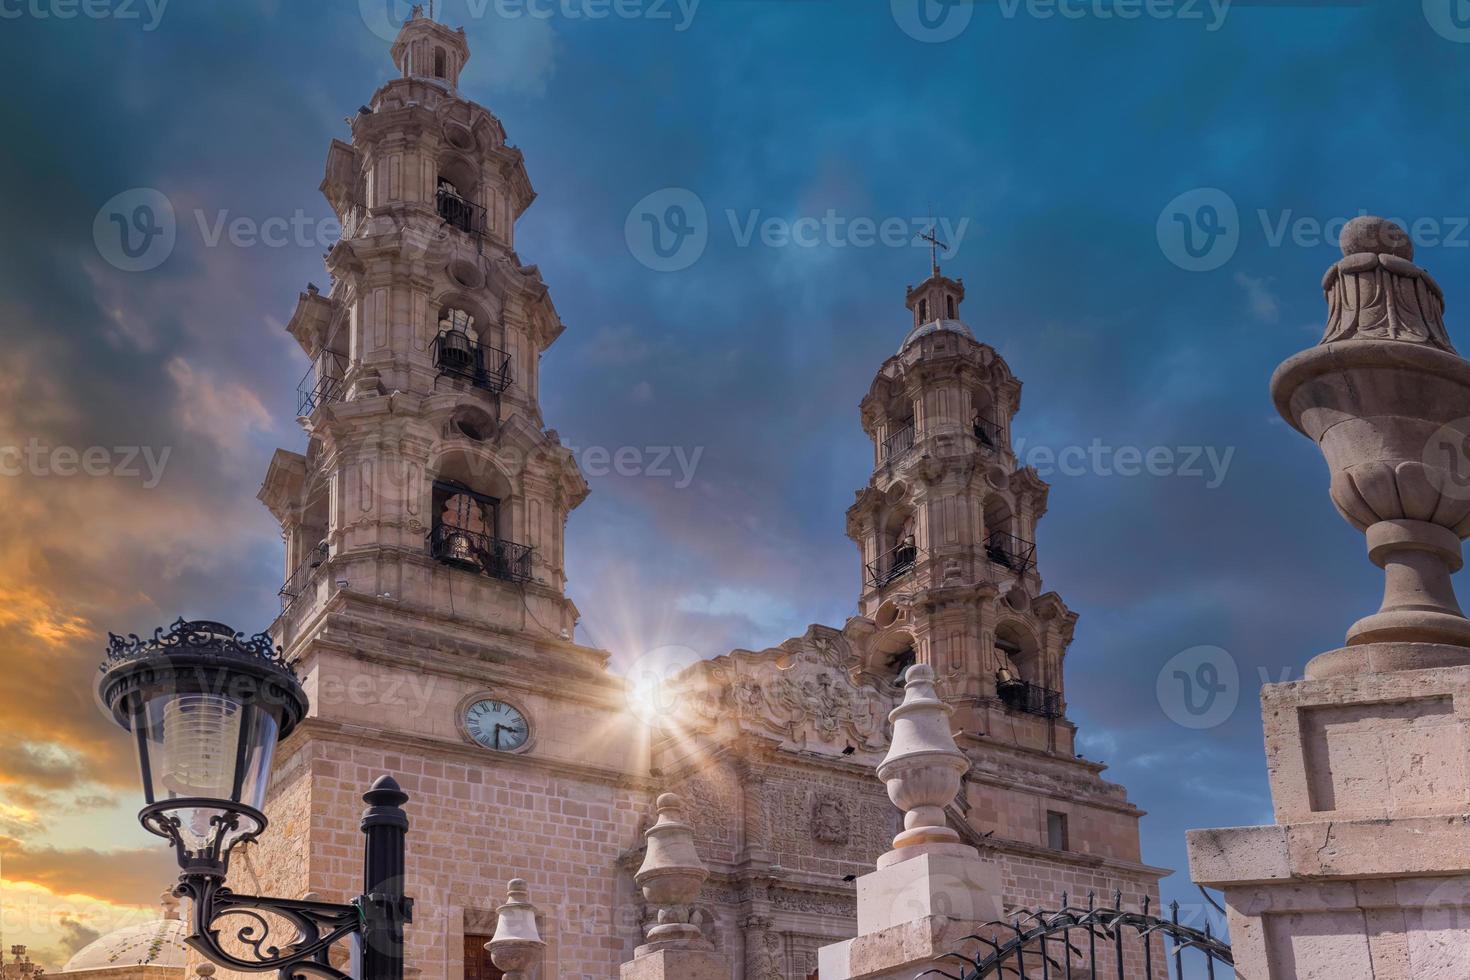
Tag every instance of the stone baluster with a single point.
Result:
(670, 878)
(931, 890)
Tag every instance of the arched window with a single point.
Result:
(949, 307)
(923, 312)
(441, 64)
(900, 662)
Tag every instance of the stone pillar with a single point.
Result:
(516, 946)
(1366, 873)
(930, 891)
(670, 877)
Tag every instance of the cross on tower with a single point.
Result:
(934, 246)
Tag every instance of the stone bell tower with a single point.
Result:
(947, 525)
(424, 600)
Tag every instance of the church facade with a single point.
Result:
(425, 608)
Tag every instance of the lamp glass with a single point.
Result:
(203, 747)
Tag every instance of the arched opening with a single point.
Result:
(997, 517)
(923, 312)
(470, 521)
(462, 351)
(309, 551)
(441, 63)
(895, 652)
(949, 310)
(1003, 546)
(897, 547)
(901, 433)
(457, 184)
(983, 422)
(903, 535)
(1019, 678)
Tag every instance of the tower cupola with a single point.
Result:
(935, 302)
(426, 49)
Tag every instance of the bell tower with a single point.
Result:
(947, 527)
(424, 603)
(426, 456)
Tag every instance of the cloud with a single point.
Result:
(123, 877)
(1260, 300)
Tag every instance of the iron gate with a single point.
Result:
(1091, 943)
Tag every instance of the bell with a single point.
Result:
(459, 548)
(1006, 681)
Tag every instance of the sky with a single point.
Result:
(1141, 198)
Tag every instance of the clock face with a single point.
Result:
(497, 725)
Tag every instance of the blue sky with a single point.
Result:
(1062, 146)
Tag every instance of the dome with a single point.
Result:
(156, 943)
(933, 327)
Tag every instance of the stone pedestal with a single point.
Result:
(678, 964)
(913, 909)
(1366, 874)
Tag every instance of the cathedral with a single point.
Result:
(425, 607)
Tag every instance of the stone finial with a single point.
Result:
(205, 971)
(1384, 397)
(1376, 291)
(517, 943)
(168, 905)
(670, 877)
(924, 766)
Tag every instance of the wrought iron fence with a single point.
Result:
(1091, 943)
(892, 564)
(299, 579)
(463, 214)
(322, 383)
(1009, 551)
(481, 553)
(1032, 699)
(899, 442)
(480, 364)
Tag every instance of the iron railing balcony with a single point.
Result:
(322, 383)
(899, 442)
(892, 564)
(988, 434)
(302, 576)
(481, 365)
(463, 214)
(479, 552)
(1011, 552)
(1031, 699)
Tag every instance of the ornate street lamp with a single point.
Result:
(205, 707)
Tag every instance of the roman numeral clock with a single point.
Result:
(497, 725)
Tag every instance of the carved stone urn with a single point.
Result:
(517, 944)
(670, 877)
(1387, 400)
(923, 767)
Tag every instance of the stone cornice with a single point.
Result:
(470, 755)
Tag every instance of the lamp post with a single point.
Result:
(206, 706)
